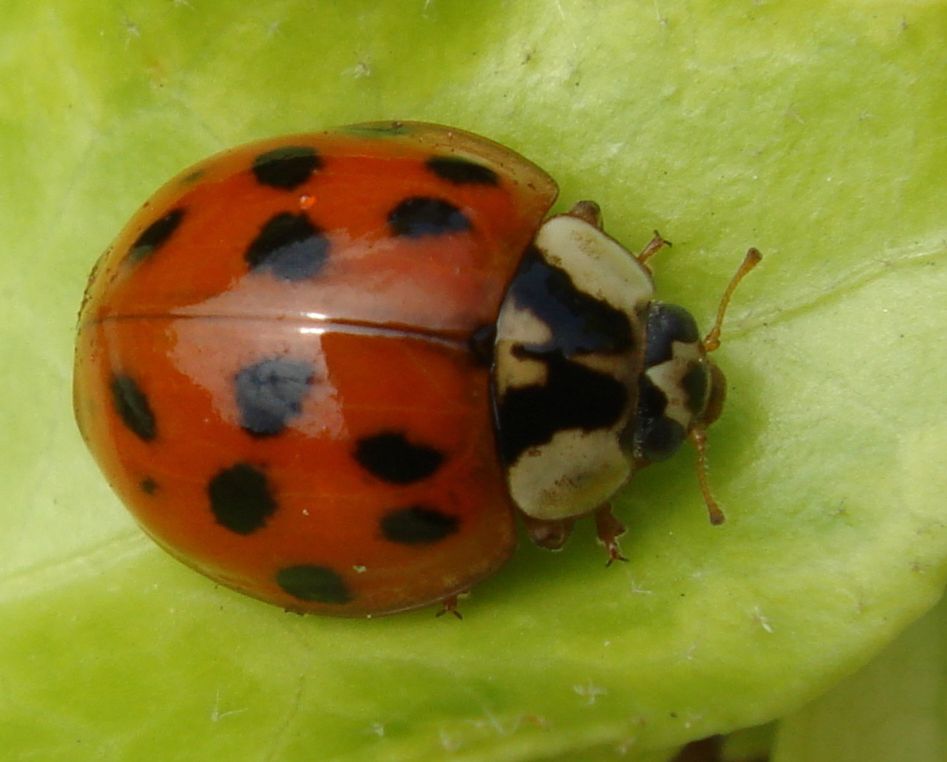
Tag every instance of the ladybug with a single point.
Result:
(328, 370)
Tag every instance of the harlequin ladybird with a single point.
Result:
(328, 370)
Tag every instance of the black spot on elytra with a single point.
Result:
(148, 485)
(155, 236)
(286, 167)
(132, 406)
(420, 216)
(318, 584)
(652, 436)
(572, 397)
(579, 322)
(392, 458)
(460, 171)
(241, 498)
(270, 394)
(417, 525)
(665, 324)
(289, 246)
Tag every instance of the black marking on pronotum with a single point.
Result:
(579, 323)
(652, 436)
(417, 525)
(572, 397)
(667, 323)
(695, 383)
(286, 167)
(155, 236)
(460, 171)
(420, 216)
(392, 458)
(270, 394)
(652, 401)
(314, 583)
(241, 498)
(289, 246)
(132, 406)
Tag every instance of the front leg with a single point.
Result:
(609, 529)
(550, 534)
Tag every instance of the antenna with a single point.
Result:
(698, 432)
(752, 259)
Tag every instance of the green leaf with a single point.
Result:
(895, 708)
(814, 134)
